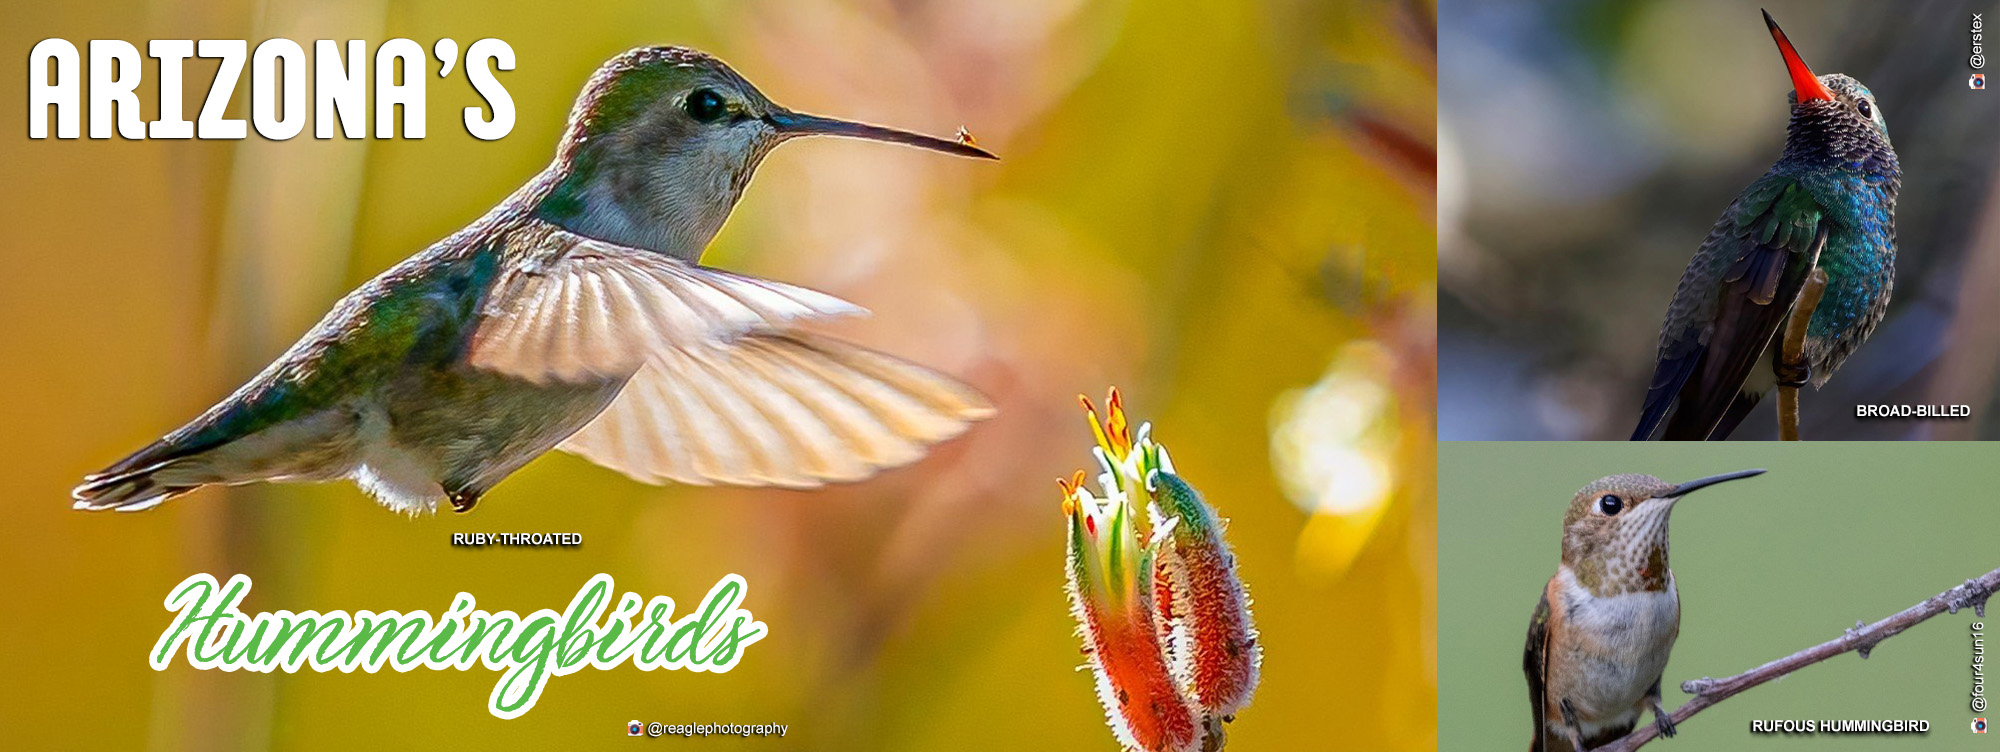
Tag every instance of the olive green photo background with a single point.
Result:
(1766, 566)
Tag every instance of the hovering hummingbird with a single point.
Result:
(1608, 618)
(1831, 198)
(575, 315)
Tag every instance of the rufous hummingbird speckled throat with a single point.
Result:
(576, 315)
(1600, 637)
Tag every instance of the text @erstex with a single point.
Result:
(527, 650)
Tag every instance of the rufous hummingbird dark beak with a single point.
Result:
(800, 124)
(1803, 80)
(1696, 485)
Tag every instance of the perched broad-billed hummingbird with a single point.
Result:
(1831, 197)
(1599, 639)
(575, 315)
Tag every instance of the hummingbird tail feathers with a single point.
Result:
(164, 469)
(133, 484)
(1668, 377)
(1739, 409)
(131, 491)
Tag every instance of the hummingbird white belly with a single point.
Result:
(433, 433)
(1617, 650)
(401, 479)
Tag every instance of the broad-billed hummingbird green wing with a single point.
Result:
(782, 408)
(1729, 308)
(577, 309)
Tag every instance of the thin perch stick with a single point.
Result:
(1860, 639)
(1793, 353)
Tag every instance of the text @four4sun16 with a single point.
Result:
(528, 650)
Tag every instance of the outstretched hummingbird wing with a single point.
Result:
(579, 309)
(1732, 300)
(775, 408)
(722, 388)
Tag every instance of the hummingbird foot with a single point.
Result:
(1662, 720)
(1793, 375)
(462, 501)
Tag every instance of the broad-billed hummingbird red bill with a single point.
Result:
(1599, 639)
(1830, 197)
(575, 315)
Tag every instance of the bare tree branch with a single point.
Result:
(1860, 639)
(1792, 350)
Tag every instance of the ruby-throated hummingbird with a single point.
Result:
(1830, 197)
(1608, 618)
(575, 315)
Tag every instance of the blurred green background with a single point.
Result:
(1834, 533)
(1588, 146)
(1225, 208)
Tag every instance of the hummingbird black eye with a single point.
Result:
(1610, 505)
(705, 106)
(1867, 110)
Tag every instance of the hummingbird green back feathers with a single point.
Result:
(575, 315)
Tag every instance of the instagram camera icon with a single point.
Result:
(635, 728)
(1979, 725)
(1977, 82)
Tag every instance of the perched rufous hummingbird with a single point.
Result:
(576, 315)
(1608, 618)
(1829, 203)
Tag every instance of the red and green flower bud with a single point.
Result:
(1110, 577)
(1215, 653)
(1166, 625)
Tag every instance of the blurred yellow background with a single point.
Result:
(1225, 208)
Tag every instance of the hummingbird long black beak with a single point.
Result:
(800, 124)
(1696, 485)
(1803, 80)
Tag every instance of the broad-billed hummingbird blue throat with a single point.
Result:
(576, 315)
(1599, 639)
(1829, 203)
